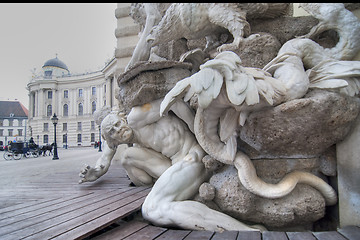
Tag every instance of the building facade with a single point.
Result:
(13, 122)
(73, 98)
(127, 36)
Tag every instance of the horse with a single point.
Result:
(45, 148)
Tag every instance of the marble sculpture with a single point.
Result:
(178, 149)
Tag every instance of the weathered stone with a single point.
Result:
(284, 28)
(328, 162)
(259, 51)
(231, 196)
(148, 81)
(171, 50)
(211, 164)
(303, 206)
(300, 128)
(207, 191)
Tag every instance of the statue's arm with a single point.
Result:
(105, 160)
(146, 114)
(90, 174)
(184, 112)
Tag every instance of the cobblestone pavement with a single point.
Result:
(14, 172)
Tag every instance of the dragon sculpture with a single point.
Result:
(198, 20)
(227, 93)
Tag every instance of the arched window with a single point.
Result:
(49, 110)
(79, 138)
(92, 137)
(93, 107)
(81, 109)
(66, 110)
(46, 139)
(65, 138)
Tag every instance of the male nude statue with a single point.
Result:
(168, 154)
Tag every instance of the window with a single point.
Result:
(92, 137)
(64, 126)
(49, 94)
(81, 109)
(48, 73)
(49, 111)
(46, 127)
(79, 138)
(93, 91)
(93, 107)
(10, 132)
(1, 132)
(20, 121)
(66, 110)
(46, 139)
(66, 94)
(11, 122)
(1, 123)
(33, 105)
(79, 126)
(80, 93)
(20, 131)
(65, 138)
(92, 124)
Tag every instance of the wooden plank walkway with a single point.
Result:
(140, 230)
(56, 207)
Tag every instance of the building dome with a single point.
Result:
(55, 62)
(55, 67)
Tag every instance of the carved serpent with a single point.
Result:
(246, 170)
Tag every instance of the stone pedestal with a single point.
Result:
(348, 167)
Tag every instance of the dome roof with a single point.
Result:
(55, 62)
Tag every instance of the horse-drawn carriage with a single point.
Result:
(18, 149)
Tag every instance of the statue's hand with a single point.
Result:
(90, 174)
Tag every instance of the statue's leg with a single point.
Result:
(143, 165)
(235, 22)
(167, 204)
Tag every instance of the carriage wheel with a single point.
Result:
(36, 154)
(27, 154)
(17, 156)
(7, 156)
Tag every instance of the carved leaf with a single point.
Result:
(174, 94)
(332, 74)
(329, 83)
(266, 91)
(252, 94)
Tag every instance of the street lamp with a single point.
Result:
(66, 141)
(100, 139)
(54, 120)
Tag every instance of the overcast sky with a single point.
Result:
(81, 34)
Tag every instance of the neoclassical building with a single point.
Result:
(73, 98)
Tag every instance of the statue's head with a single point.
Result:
(115, 129)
